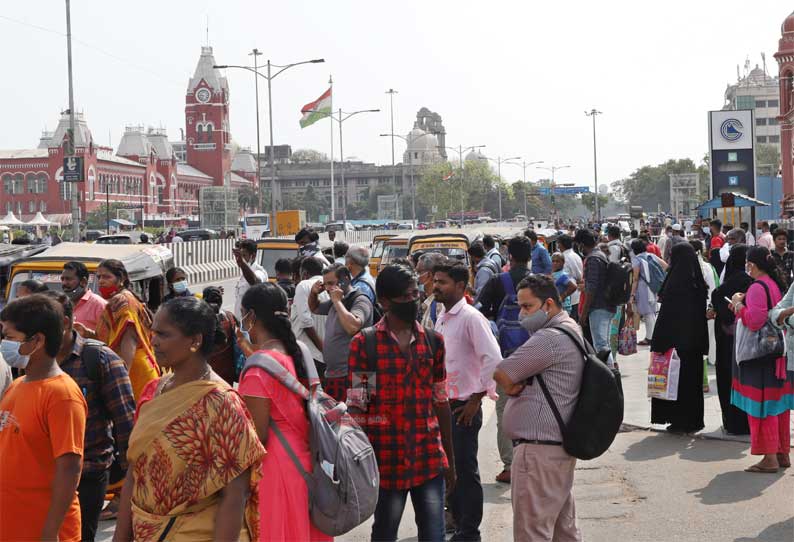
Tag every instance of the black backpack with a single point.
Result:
(617, 289)
(377, 311)
(598, 413)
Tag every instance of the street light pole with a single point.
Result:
(391, 92)
(73, 189)
(499, 162)
(460, 150)
(270, 76)
(524, 165)
(593, 113)
(341, 119)
(272, 153)
(255, 53)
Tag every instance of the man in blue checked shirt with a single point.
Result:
(103, 378)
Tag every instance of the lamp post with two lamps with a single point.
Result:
(499, 161)
(271, 162)
(341, 117)
(524, 165)
(460, 150)
(553, 170)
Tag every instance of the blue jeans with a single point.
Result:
(600, 320)
(466, 500)
(428, 501)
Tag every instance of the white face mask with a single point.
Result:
(534, 321)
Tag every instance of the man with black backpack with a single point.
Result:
(349, 311)
(596, 312)
(543, 471)
(103, 378)
(498, 299)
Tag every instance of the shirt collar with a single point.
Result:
(458, 306)
(554, 320)
(383, 326)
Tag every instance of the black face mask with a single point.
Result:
(75, 294)
(406, 311)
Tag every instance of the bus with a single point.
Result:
(256, 226)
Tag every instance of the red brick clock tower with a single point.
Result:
(207, 121)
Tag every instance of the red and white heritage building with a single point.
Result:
(143, 172)
(785, 60)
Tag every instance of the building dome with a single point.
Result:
(134, 143)
(788, 24)
(421, 141)
(476, 156)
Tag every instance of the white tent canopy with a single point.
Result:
(11, 220)
(39, 220)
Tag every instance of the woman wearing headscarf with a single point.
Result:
(736, 280)
(682, 325)
(762, 387)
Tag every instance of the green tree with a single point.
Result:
(649, 186)
(312, 204)
(247, 198)
(767, 159)
(448, 187)
(308, 156)
(97, 219)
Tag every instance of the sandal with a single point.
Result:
(784, 461)
(111, 510)
(764, 470)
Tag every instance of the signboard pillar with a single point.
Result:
(732, 155)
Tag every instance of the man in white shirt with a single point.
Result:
(471, 356)
(748, 235)
(573, 268)
(307, 327)
(252, 272)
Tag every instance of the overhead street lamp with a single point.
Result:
(409, 141)
(593, 113)
(460, 150)
(270, 76)
(524, 165)
(499, 161)
(341, 117)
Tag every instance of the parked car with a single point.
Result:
(339, 226)
(120, 238)
(201, 234)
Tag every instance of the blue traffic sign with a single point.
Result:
(564, 190)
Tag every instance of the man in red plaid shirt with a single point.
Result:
(400, 400)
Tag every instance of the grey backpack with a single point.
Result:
(344, 482)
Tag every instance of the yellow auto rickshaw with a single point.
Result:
(146, 266)
(393, 248)
(376, 251)
(453, 244)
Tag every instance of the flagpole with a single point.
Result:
(333, 197)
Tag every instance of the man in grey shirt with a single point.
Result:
(542, 471)
(349, 311)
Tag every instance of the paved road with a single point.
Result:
(650, 486)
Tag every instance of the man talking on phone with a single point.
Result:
(349, 311)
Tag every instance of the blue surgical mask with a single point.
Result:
(180, 286)
(10, 351)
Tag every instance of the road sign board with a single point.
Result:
(563, 190)
(73, 170)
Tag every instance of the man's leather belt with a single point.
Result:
(516, 442)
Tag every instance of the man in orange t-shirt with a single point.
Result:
(42, 428)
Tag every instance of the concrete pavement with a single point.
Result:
(634, 370)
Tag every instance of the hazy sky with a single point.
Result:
(515, 76)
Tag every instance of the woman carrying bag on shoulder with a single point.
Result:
(682, 325)
(762, 387)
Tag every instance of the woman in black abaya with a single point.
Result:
(682, 325)
(734, 421)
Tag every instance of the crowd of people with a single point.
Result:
(160, 409)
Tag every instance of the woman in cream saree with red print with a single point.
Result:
(188, 444)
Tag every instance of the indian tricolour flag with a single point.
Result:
(316, 110)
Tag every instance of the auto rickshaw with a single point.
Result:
(376, 251)
(451, 243)
(270, 249)
(145, 264)
(393, 248)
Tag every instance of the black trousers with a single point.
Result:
(466, 501)
(91, 494)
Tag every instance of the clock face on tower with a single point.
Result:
(203, 95)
